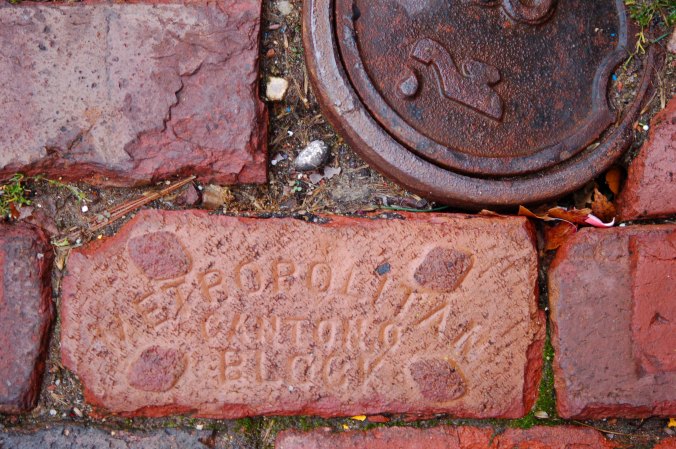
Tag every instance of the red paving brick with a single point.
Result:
(229, 317)
(650, 190)
(614, 322)
(125, 93)
(25, 315)
(669, 443)
(75, 437)
(446, 438)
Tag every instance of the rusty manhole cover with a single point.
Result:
(475, 102)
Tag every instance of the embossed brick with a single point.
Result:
(563, 437)
(25, 315)
(125, 93)
(650, 191)
(614, 322)
(74, 437)
(230, 317)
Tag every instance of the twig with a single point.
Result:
(604, 431)
(123, 209)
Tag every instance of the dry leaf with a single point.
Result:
(527, 213)
(602, 207)
(556, 235)
(378, 419)
(614, 179)
(578, 216)
(359, 418)
(672, 422)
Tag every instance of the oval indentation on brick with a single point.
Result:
(160, 255)
(157, 369)
(443, 269)
(438, 380)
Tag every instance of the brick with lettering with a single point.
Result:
(25, 314)
(121, 93)
(614, 320)
(562, 437)
(183, 312)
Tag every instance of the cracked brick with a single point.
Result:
(128, 93)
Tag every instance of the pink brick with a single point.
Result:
(126, 93)
(614, 322)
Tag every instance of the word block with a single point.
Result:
(229, 317)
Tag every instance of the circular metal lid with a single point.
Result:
(474, 102)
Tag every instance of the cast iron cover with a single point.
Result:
(474, 102)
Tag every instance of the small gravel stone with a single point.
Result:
(213, 196)
(276, 88)
(313, 156)
(284, 7)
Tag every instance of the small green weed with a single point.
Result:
(546, 401)
(645, 13)
(13, 194)
(76, 192)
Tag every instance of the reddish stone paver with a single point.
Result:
(650, 191)
(125, 93)
(229, 317)
(614, 322)
(75, 437)
(562, 437)
(669, 443)
(25, 315)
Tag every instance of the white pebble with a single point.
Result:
(284, 7)
(313, 156)
(276, 88)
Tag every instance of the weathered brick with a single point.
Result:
(125, 93)
(74, 437)
(669, 443)
(614, 322)
(446, 438)
(650, 190)
(229, 317)
(25, 315)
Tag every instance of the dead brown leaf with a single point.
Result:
(556, 235)
(602, 207)
(524, 212)
(578, 216)
(614, 179)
